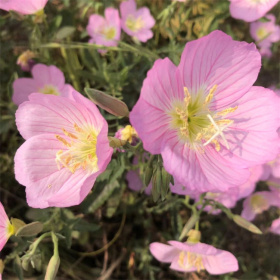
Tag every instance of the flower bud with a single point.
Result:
(246, 224)
(52, 267)
(115, 142)
(148, 175)
(30, 229)
(109, 103)
(166, 177)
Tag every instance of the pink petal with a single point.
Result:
(255, 124)
(113, 19)
(176, 266)
(216, 59)
(149, 116)
(144, 35)
(275, 226)
(247, 212)
(249, 10)
(46, 185)
(198, 248)
(24, 7)
(162, 252)
(22, 87)
(208, 171)
(49, 114)
(222, 262)
(134, 181)
(4, 221)
(127, 8)
(48, 75)
(95, 24)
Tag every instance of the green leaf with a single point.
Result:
(30, 229)
(65, 32)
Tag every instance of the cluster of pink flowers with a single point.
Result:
(135, 22)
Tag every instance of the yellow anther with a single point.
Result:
(226, 111)
(192, 260)
(69, 134)
(187, 97)
(64, 142)
(224, 122)
(77, 128)
(217, 145)
(210, 95)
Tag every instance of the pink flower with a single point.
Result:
(6, 228)
(250, 10)
(274, 185)
(188, 257)
(46, 79)
(105, 31)
(66, 148)
(25, 60)
(25, 7)
(257, 203)
(136, 23)
(205, 118)
(265, 33)
(275, 226)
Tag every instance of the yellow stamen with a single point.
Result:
(64, 142)
(226, 111)
(192, 260)
(209, 97)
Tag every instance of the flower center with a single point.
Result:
(81, 149)
(109, 33)
(262, 33)
(259, 203)
(134, 24)
(49, 89)
(190, 260)
(10, 229)
(197, 126)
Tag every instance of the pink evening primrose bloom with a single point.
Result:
(46, 79)
(250, 10)
(66, 148)
(205, 118)
(105, 31)
(136, 23)
(25, 7)
(6, 228)
(257, 203)
(265, 33)
(275, 226)
(188, 257)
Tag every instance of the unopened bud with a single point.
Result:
(52, 267)
(115, 142)
(246, 224)
(148, 175)
(189, 225)
(109, 103)
(155, 193)
(166, 177)
(30, 229)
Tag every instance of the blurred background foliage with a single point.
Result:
(108, 235)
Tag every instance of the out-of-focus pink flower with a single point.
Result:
(250, 10)
(46, 79)
(275, 226)
(25, 60)
(66, 148)
(205, 118)
(265, 33)
(6, 228)
(25, 7)
(257, 203)
(105, 31)
(273, 167)
(188, 257)
(136, 23)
